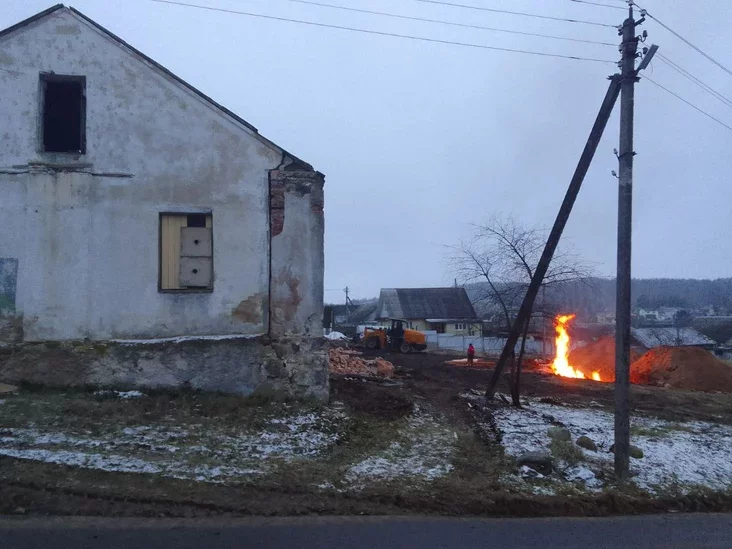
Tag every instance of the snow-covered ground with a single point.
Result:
(422, 451)
(125, 395)
(200, 452)
(181, 339)
(676, 455)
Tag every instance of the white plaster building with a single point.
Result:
(136, 207)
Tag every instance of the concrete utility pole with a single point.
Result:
(565, 209)
(629, 77)
(348, 310)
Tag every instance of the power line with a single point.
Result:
(705, 113)
(525, 14)
(707, 88)
(451, 23)
(677, 35)
(381, 33)
(599, 4)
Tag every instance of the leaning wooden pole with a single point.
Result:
(551, 244)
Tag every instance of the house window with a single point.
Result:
(63, 113)
(186, 252)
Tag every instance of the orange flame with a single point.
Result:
(561, 366)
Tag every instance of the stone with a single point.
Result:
(587, 443)
(634, 451)
(559, 433)
(6, 389)
(239, 365)
(529, 473)
(541, 462)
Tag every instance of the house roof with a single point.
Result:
(657, 337)
(302, 164)
(423, 303)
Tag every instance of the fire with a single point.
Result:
(561, 366)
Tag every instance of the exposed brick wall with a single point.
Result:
(297, 258)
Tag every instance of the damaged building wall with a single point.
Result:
(297, 264)
(82, 233)
(84, 228)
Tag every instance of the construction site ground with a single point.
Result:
(420, 442)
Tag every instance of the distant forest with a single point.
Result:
(598, 295)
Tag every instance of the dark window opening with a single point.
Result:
(196, 220)
(64, 113)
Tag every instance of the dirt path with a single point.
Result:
(379, 413)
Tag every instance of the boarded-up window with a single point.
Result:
(186, 252)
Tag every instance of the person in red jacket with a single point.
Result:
(471, 354)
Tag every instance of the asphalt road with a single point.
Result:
(647, 532)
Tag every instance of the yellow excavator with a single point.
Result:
(396, 337)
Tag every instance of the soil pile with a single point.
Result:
(689, 368)
(599, 356)
(346, 361)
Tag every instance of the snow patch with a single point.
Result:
(199, 452)
(336, 336)
(181, 339)
(686, 454)
(424, 451)
(125, 395)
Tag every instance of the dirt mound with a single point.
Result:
(346, 361)
(683, 368)
(599, 356)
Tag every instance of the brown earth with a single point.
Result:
(688, 368)
(599, 356)
(473, 489)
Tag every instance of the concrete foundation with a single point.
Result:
(287, 368)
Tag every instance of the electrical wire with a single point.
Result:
(705, 113)
(525, 14)
(687, 42)
(381, 33)
(707, 88)
(599, 4)
(442, 22)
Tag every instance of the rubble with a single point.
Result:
(348, 361)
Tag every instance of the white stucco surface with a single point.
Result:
(87, 241)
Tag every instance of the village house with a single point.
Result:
(443, 310)
(135, 210)
(650, 338)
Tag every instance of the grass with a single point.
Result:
(659, 432)
(566, 451)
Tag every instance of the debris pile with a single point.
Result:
(347, 361)
(690, 368)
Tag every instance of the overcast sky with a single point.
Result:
(420, 140)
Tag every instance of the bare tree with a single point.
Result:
(502, 254)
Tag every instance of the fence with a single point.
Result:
(489, 346)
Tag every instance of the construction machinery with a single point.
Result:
(396, 337)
